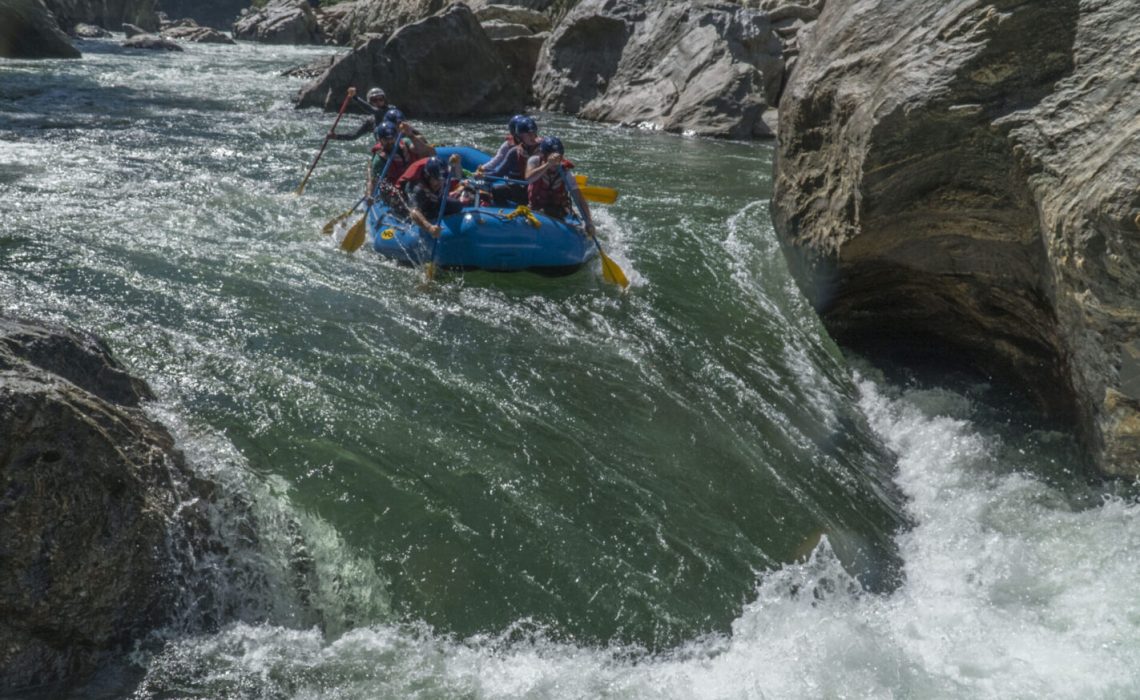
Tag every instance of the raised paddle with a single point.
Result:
(343, 106)
(611, 271)
(355, 236)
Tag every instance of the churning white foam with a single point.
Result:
(1010, 592)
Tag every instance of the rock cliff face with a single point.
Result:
(426, 68)
(105, 13)
(89, 489)
(28, 30)
(219, 14)
(704, 67)
(960, 177)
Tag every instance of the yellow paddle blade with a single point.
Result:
(355, 236)
(332, 224)
(581, 179)
(596, 193)
(429, 271)
(612, 272)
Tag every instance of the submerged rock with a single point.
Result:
(89, 489)
(959, 179)
(89, 31)
(29, 30)
(152, 42)
(708, 68)
(441, 66)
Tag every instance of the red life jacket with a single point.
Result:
(549, 190)
(412, 173)
(400, 161)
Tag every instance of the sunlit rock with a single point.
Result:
(702, 68)
(444, 65)
(959, 179)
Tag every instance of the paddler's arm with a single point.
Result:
(420, 220)
(420, 147)
(573, 191)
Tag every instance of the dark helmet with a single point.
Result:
(434, 168)
(551, 144)
(525, 125)
(394, 115)
(513, 124)
(386, 130)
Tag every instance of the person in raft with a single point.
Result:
(513, 165)
(377, 106)
(426, 195)
(500, 155)
(420, 147)
(402, 156)
(550, 187)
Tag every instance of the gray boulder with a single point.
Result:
(961, 176)
(196, 34)
(280, 22)
(29, 30)
(90, 489)
(520, 54)
(709, 68)
(441, 66)
(151, 42)
(347, 23)
(89, 31)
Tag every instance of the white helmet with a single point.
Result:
(376, 92)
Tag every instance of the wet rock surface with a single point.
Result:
(959, 179)
(28, 30)
(89, 488)
(426, 68)
(280, 22)
(709, 68)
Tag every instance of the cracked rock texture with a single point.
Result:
(962, 178)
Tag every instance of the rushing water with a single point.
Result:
(512, 486)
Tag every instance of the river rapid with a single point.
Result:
(510, 486)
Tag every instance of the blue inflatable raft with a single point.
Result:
(485, 237)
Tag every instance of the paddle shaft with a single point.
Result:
(429, 269)
(343, 106)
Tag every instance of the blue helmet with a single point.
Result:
(386, 130)
(525, 125)
(434, 167)
(513, 124)
(394, 115)
(551, 144)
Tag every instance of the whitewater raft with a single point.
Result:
(498, 239)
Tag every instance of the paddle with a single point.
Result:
(332, 224)
(599, 194)
(611, 271)
(429, 269)
(355, 236)
(343, 106)
(592, 193)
